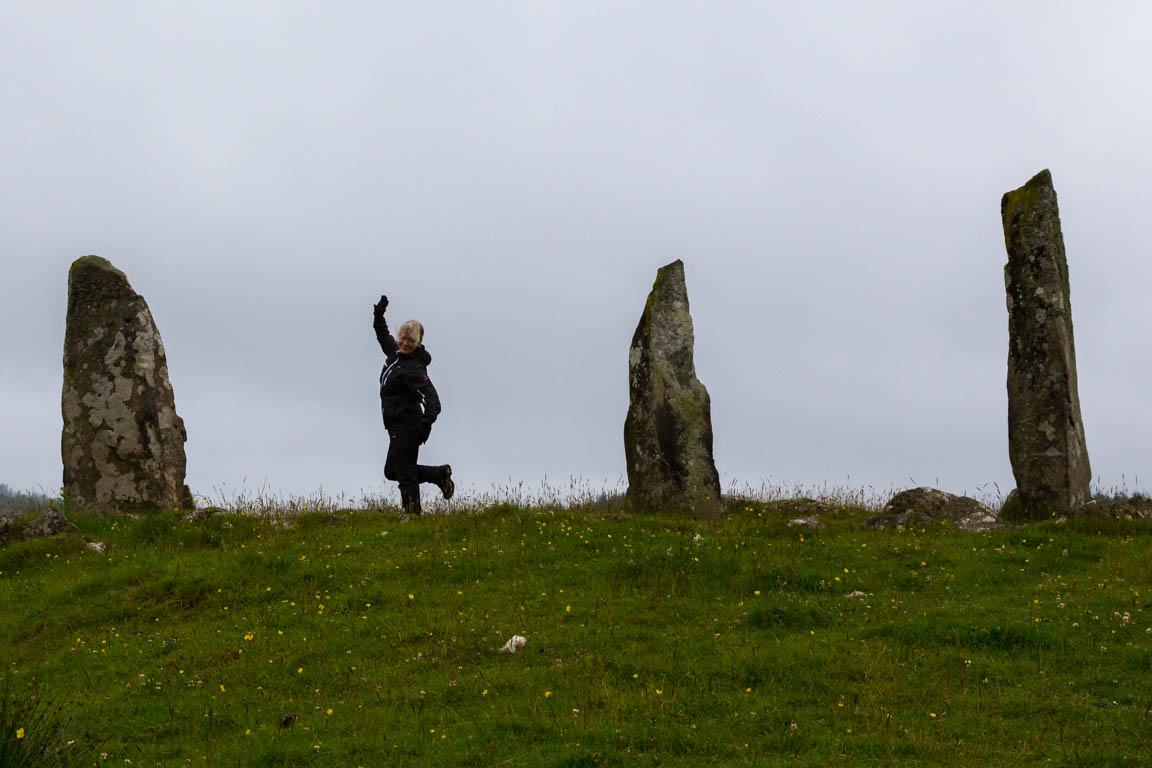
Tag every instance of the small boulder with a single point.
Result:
(48, 523)
(933, 504)
(980, 523)
(924, 505)
(802, 506)
(5, 527)
(1136, 507)
(200, 514)
(806, 522)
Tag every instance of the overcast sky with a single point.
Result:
(513, 173)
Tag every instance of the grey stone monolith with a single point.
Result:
(668, 430)
(122, 443)
(1045, 432)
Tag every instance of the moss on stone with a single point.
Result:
(96, 262)
(1024, 198)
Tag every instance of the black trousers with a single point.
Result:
(401, 466)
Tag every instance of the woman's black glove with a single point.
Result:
(379, 307)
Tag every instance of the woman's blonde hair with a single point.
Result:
(411, 330)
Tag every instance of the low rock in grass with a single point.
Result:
(802, 507)
(50, 522)
(981, 523)
(806, 522)
(925, 505)
(5, 528)
(1137, 507)
(200, 514)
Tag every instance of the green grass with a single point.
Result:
(652, 640)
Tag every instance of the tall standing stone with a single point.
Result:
(122, 444)
(668, 430)
(1045, 433)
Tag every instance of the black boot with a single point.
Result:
(444, 483)
(410, 500)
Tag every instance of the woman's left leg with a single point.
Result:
(403, 450)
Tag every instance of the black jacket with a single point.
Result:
(407, 397)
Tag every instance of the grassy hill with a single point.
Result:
(350, 638)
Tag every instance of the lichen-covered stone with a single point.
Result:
(122, 443)
(50, 522)
(919, 506)
(1045, 432)
(1138, 507)
(800, 507)
(668, 430)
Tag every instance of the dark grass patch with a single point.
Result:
(790, 616)
(942, 632)
(37, 728)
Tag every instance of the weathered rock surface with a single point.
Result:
(122, 443)
(926, 505)
(5, 528)
(1045, 432)
(1137, 507)
(50, 522)
(200, 514)
(799, 506)
(668, 430)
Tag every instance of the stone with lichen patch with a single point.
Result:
(801, 506)
(668, 429)
(1046, 442)
(122, 442)
(1138, 507)
(50, 522)
(918, 506)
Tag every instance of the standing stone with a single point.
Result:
(1045, 433)
(668, 430)
(122, 444)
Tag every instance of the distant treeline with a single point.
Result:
(10, 496)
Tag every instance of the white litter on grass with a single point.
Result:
(95, 546)
(808, 522)
(515, 643)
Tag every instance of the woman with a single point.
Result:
(409, 405)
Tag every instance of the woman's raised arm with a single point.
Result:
(380, 325)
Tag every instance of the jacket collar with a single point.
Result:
(419, 353)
